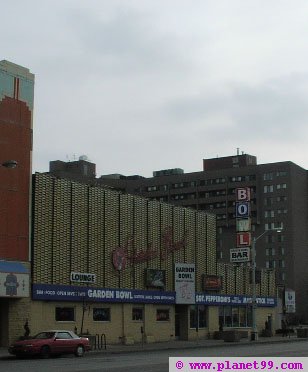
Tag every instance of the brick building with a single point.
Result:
(16, 109)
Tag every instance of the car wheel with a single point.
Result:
(79, 351)
(45, 352)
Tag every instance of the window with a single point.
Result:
(64, 335)
(268, 201)
(281, 264)
(270, 238)
(282, 211)
(162, 315)
(270, 251)
(198, 318)
(281, 186)
(281, 173)
(267, 176)
(269, 214)
(65, 314)
(101, 314)
(152, 188)
(270, 264)
(137, 313)
(268, 188)
(235, 316)
(269, 226)
(281, 198)
(281, 251)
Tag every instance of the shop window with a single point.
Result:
(101, 314)
(162, 315)
(65, 314)
(198, 318)
(235, 316)
(137, 313)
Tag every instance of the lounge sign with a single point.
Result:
(83, 277)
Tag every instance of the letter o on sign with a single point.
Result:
(242, 209)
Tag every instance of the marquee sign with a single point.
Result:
(51, 292)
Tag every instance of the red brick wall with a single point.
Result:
(15, 144)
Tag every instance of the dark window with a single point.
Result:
(101, 314)
(162, 315)
(65, 314)
(137, 313)
(198, 318)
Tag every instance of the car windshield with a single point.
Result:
(44, 335)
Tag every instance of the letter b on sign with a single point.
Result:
(243, 194)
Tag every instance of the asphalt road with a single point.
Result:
(153, 361)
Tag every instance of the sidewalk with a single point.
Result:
(180, 345)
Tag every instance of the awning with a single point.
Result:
(13, 267)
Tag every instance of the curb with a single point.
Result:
(194, 345)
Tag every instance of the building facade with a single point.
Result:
(16, 115)
(279, 199)
(133, 269)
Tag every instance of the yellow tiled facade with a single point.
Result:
(78, 227)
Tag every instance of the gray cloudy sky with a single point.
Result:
(145, 85)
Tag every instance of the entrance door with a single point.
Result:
(177, 324)
(4, 322)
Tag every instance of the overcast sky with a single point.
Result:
(144, 85)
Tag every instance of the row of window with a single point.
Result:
(273, 264)
(273, 225)
(270, 188)
(271, 200)
(270, 176)
(271, 213)
(103, 314)
(273, 238)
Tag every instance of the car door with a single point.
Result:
(64, 343)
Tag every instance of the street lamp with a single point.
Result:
(254, 334)
(9, 164)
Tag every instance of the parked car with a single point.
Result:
(54, 342)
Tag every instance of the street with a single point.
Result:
(153, 361)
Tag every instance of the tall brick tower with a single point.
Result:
(16, 115)
(16, 108)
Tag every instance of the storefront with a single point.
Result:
(14, 299)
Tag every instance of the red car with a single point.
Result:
(51, 343)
